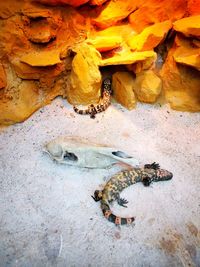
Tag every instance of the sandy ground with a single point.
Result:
(47, 215)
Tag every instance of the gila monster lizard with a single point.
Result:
(102, 105)
(111, 191)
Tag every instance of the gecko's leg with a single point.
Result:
(154, 166)
(121, 201)
(146, 181)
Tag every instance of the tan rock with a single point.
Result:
(188, 26)
(19, 108)
(181, 84)
(106, 43)
(20, 98)
(186, 53)
(123, 84)
(114, 11)
(147, 86)
(41, 58)
(150, 37)
(154, 11)
(3, 79)
(128, 57)
(67, 2)
(85, 78)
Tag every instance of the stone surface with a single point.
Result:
(42, 58)
(153, 11)
(114, 11)
(85, 77)
(97, 2)
(41, 29)
(193, 7)
(123, 84)
(74, 3)
(3, 80)
(186, 53)
(128, 57)
(105, 43)
(147, 86)
(188, 26)
(20, 98)
(47, 74)
(181, 84)
(150, 37)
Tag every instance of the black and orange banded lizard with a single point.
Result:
(93, 109)
(149, 173)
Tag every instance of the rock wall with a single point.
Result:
(52, 48)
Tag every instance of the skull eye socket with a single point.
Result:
(70, 156)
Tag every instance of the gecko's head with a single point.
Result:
(152, 175)
(162, 175)
(107, 85)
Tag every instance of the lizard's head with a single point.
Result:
(162, 175)
(107, 85)
(156, 175)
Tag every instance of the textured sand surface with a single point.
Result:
(47, 215)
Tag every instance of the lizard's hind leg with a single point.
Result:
(122, 201)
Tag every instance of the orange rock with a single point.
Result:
(181, 84)
(193, 7)
(3, 80)
(97, 2)
(150, 37)
(188, 26)
(112, 12)
(41, 30)
(153, 11)
(67, 2)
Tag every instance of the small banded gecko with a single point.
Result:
(103, 104)
(149, 173)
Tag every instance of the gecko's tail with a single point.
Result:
(113, 218)
(81, 111)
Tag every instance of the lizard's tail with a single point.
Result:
(81, 111)
(113, 218)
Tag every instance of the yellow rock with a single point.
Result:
(181, 84)
(189, 26)
(150, 37)
(114, 11)
(147, 86)
(85, 78)
(123, 84)
(41, 58)
(105, 43)
(128, 57)
(186, 53)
